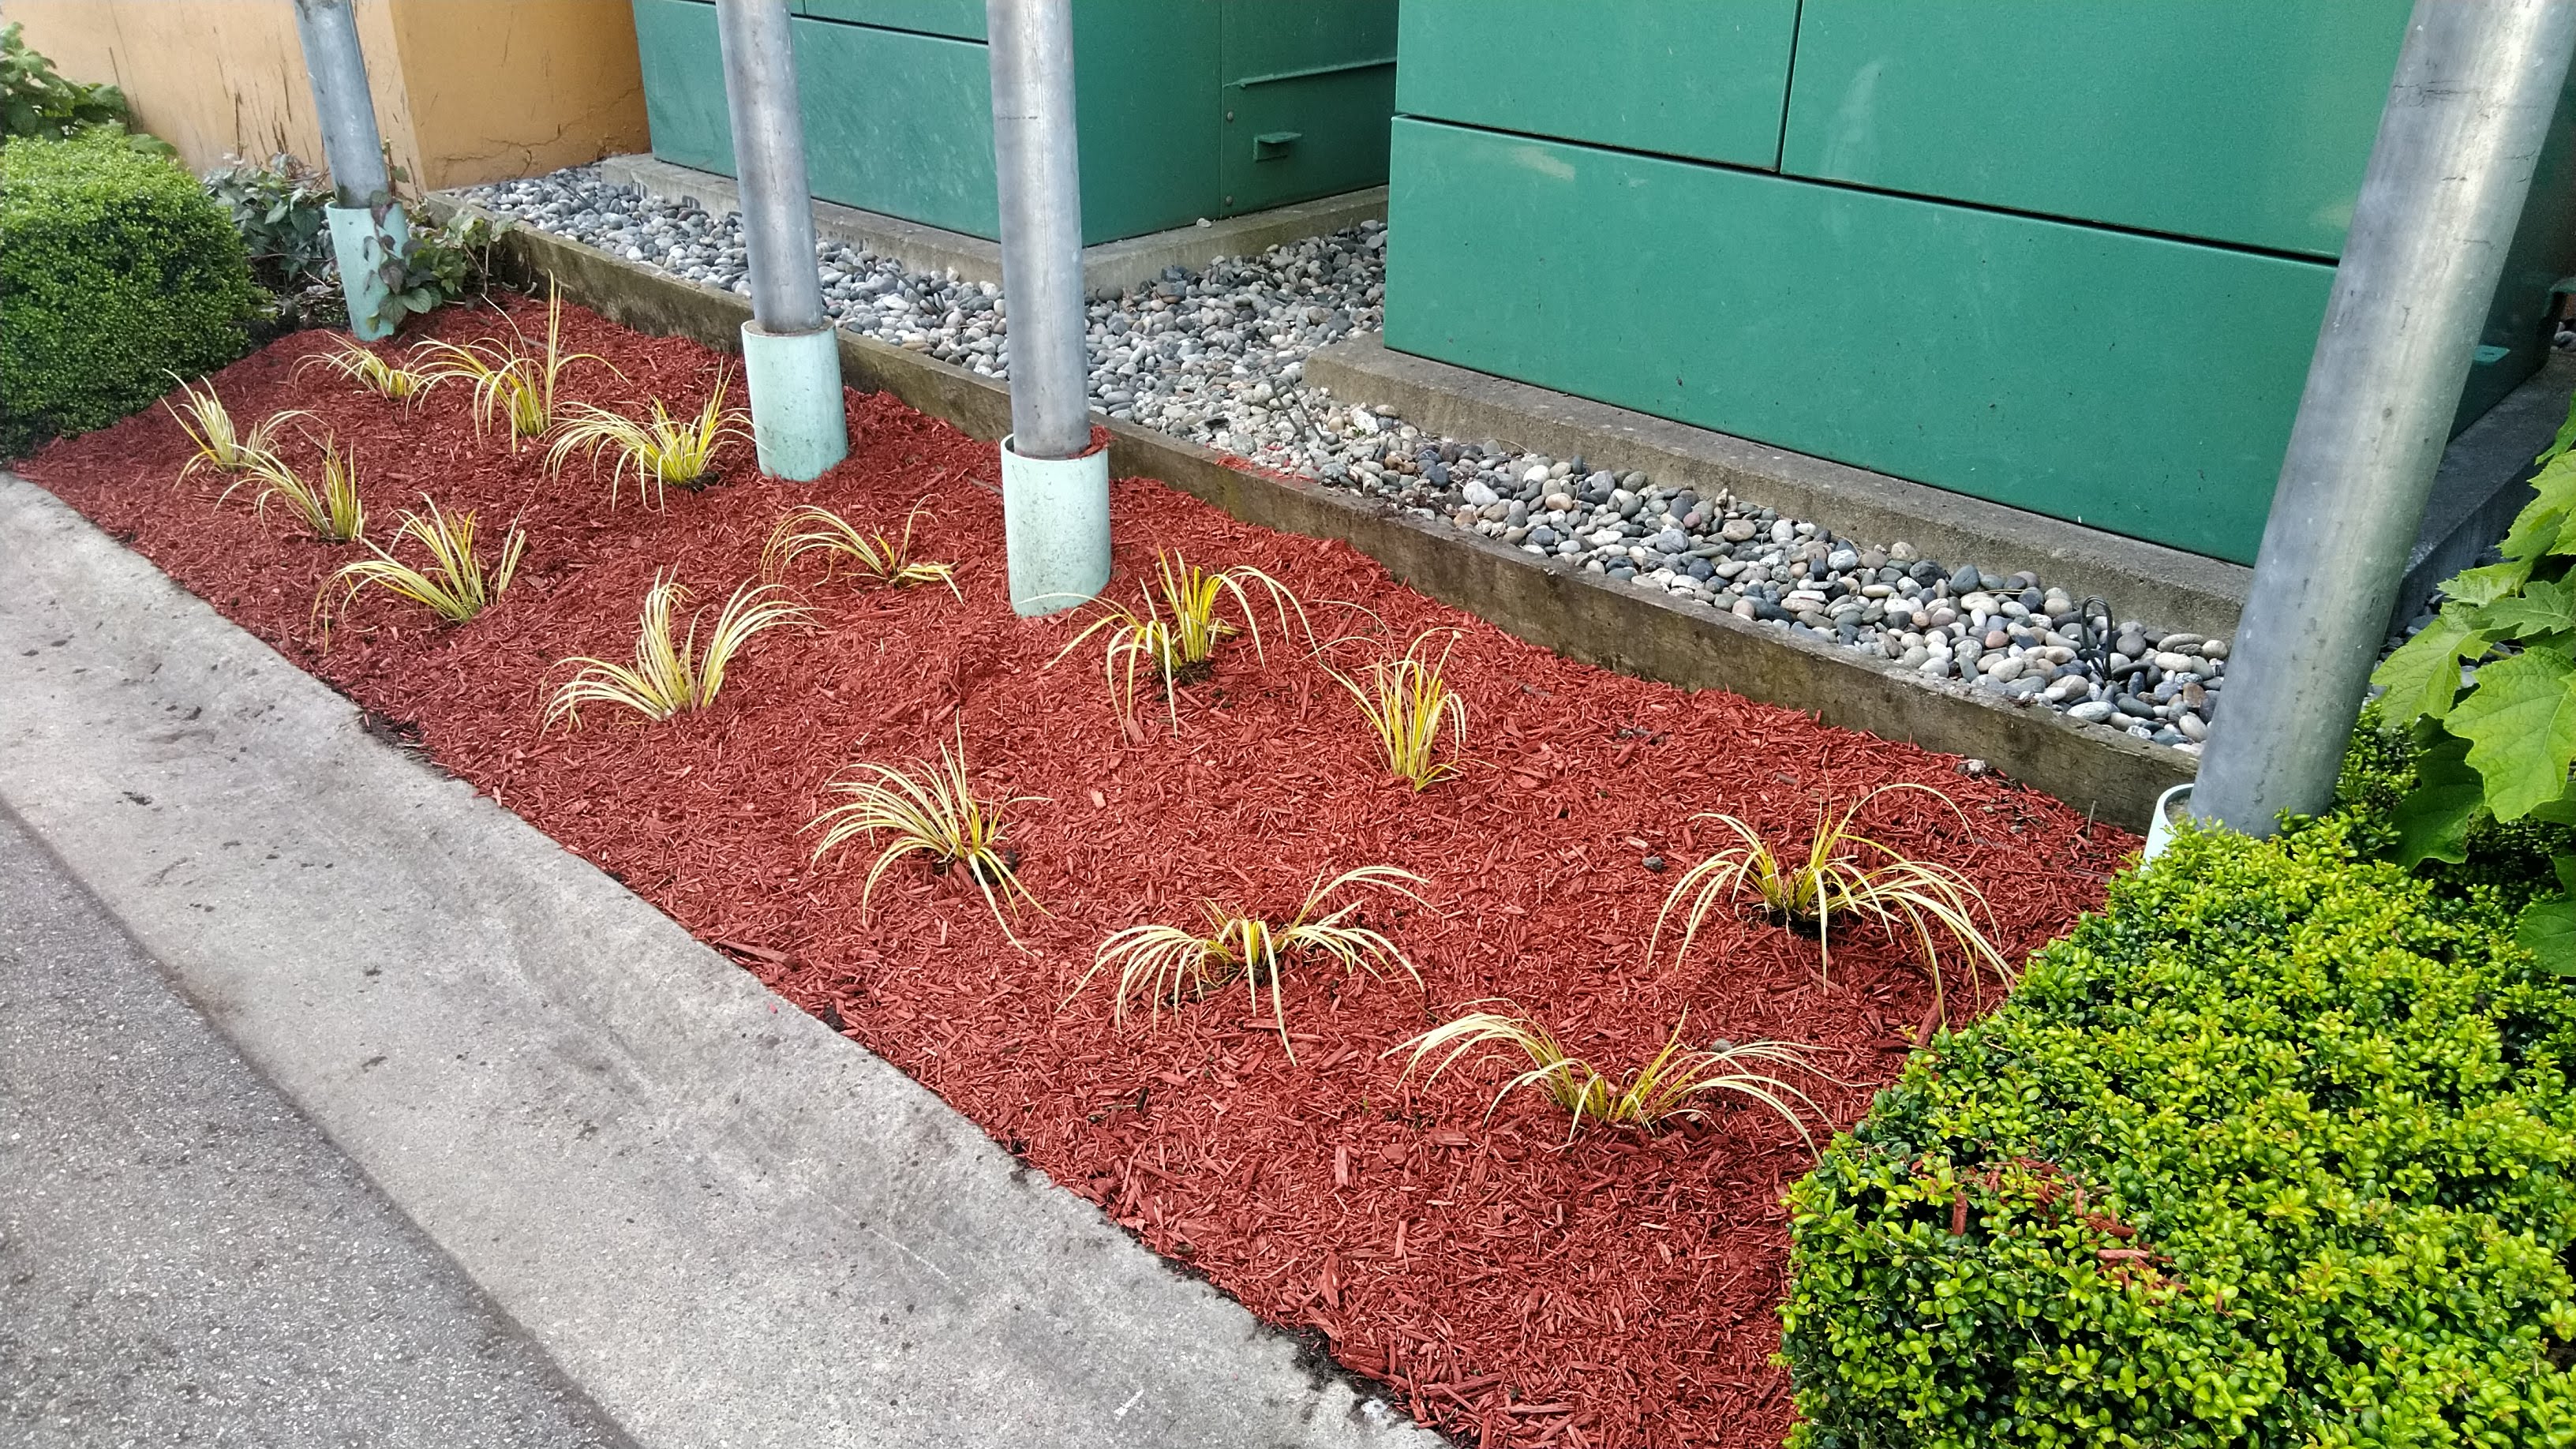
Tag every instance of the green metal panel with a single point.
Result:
(2240, 122)
(898, 111)
(2133, 383)
(1144, 107)
(959, 19)
(898, 122)
(1703, 78)
(684, 98)
(1307, 91)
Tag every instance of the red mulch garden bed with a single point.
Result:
(1511, 1288)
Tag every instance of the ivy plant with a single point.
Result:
(281, 209)
(2498, 747)
(438, 264)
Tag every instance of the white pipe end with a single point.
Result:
(798, 422)
(1055, 528)
(360, 251)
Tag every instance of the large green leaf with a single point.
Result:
(2540, 608)
(2433, 820)
(2423, 676)
(2548, 930)
(2541, 526)
(2477, 588)
(2520, 723)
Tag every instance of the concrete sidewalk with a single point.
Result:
(723, 1223)
(185, 1260)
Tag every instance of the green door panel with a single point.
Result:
(1307, 91)
(959, 19)
(684, 98)
(2239, 122)
(2133, 383)
(1145, 110)
(899, 112)
(1701, 78)
(898, 122)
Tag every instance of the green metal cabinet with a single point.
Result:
(2070, 257)
(1995, 354)
(1186, 108)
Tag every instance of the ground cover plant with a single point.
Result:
(116, 271)
(1411, 710)
(2276, 1150)
(1505, 1283)
(659, 452)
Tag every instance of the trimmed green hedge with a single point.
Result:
(116, 269)
(2274, 1151)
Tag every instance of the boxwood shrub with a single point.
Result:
(2275, 1150)
(116, 269)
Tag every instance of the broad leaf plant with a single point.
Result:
(2500, 748)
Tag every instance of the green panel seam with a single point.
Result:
(1802, 179)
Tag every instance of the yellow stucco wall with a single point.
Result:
(465, 90)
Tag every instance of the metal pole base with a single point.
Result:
(1055, 529)
(361, 255)
(797, 419)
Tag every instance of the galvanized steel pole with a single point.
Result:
(769, 162)
(337, 67)
(2475, 88)
(1038, 165)
(790, 352)
(1055, 487)
(369, 233)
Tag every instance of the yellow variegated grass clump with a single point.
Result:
(364, 366)
(454, 583)
(329, 510)
(1176, 636)
(672, 674)
(811, 529)
(1410, 707)
(1844, 876)
(513, 386)
(1672, 1086)
(214, 441)
(1162, 963)
(659, 452)
(933, 813)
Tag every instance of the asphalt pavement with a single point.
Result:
(185, 1259)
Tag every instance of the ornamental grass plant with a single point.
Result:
(1164, 964)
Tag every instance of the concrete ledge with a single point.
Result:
(1582, 616)
(724, 1222)
(1109, 269)
(2162, 586)
(2475, 496)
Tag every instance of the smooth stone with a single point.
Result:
(2093, 711)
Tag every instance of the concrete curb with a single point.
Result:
(727, 1224)
(1582, 616)
(1109, 269)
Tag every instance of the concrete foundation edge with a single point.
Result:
(1109, 269)
(1581, 616)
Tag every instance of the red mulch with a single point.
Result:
(1510, 1288)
